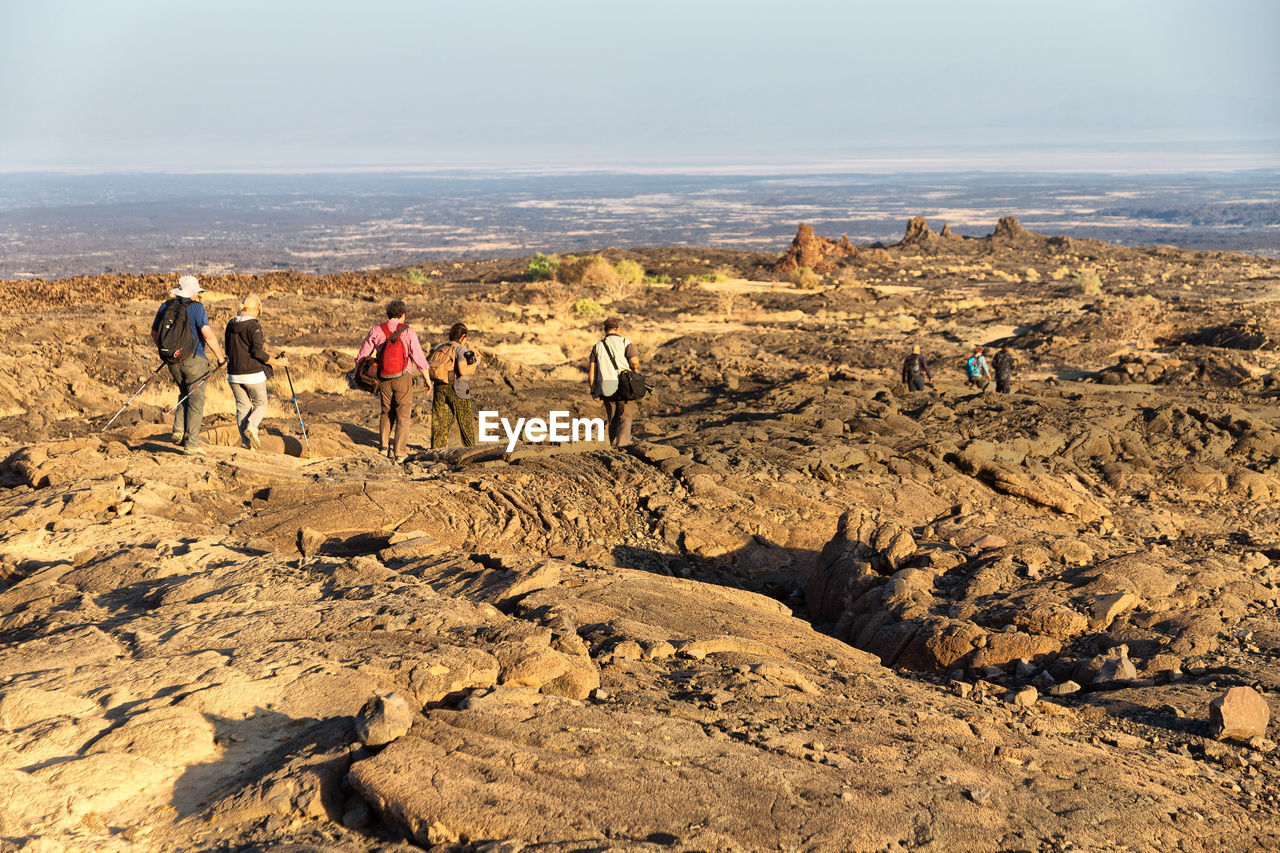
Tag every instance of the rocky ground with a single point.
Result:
(805, 611)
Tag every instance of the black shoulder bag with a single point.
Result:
(631, 385)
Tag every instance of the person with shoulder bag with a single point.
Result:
(610, 359)
(248, 368)
(398, 351)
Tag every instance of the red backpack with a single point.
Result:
(393, 355)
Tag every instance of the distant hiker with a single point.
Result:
(398, 352)
(612, 355)
(248, 368)
(1003, 363)
(915, 370)
(452, 364)
(978, 372)
(181, 331)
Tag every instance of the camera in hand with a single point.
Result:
(470, 357)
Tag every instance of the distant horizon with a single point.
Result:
(67, 224)
(994, 162)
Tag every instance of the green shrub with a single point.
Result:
(416, 276)
(657, 279)
(587, 308)
(1087, 282)
(806, 279)
(543, 267)
(628, 280)
(629, 272)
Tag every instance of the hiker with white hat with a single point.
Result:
(182, 334)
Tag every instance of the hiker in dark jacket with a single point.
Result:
(915, 370)
(248, 368)
(191, 373)
(1003, 364)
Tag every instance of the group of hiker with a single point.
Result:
(185, 339)
(390, 356)
(385, 364)
(978, 374)
(392, 351)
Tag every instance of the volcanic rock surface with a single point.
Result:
(806, 610)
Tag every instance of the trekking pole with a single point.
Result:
(194, 388)
(289, 376)
(134, 397)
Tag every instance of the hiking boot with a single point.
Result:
(177, 438)
(255, 443)
(194, 451)
(400, 460)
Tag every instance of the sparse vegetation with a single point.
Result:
(1087, 282)
(629, 271)
(628, 280)
(618, 290)
(806, 279)
(591, 270)
(587, 308)
(559, 299)
(543, 267)
(416, 276)
(1140, 320)
(725, 303)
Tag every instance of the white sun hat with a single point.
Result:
(188, 287)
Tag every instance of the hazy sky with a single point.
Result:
(225, 84)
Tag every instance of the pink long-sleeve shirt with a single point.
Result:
(377, 337)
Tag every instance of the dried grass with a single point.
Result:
(591, 271)
(806, 279)
(558, 298)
